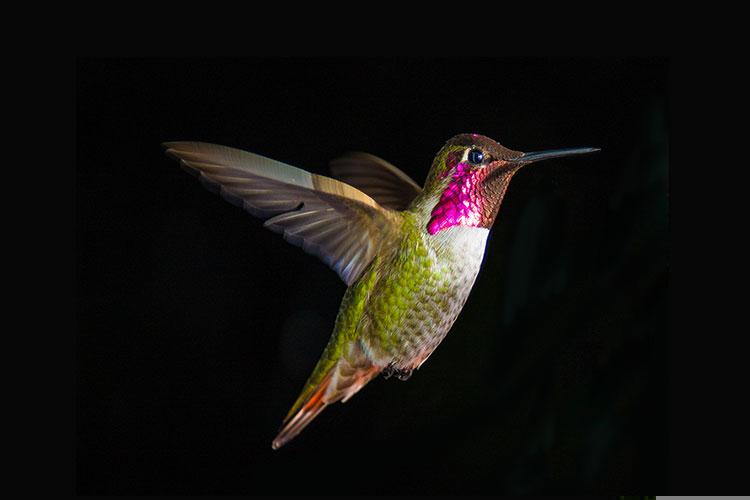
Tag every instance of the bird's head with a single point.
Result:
(470, 174)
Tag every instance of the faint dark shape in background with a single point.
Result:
(197, 327)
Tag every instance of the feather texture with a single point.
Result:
(385, 183)
(330, 219)
(351, 372)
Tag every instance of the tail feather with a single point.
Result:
(341, 382)
(305, 415)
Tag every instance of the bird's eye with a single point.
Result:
(475, 156)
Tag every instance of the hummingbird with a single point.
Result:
(409, 255)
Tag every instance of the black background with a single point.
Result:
(197, 327)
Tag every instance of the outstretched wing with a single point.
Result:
(330, 219)
(388, 185)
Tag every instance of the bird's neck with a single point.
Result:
(462, 197)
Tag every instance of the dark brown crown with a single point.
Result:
(495, 149)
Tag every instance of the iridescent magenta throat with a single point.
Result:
(460, 203)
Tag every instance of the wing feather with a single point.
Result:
(385, 183)
(337, 222)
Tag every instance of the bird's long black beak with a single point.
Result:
(552, 153)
